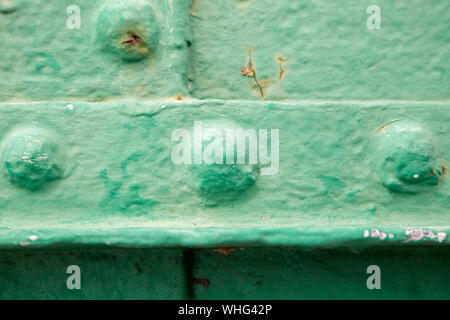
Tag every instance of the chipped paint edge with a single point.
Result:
(306, 236)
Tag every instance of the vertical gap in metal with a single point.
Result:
(188, 262)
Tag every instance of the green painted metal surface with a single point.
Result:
(328, 186)
(53, 62)
(105, 274)
(292, 273)
(92, 119)
(250, 273)
(329, 51)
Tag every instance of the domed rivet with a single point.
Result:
(405, 157)
(218, 180)
(31, 157)
(128, 28)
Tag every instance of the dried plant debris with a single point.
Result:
(249, 71)
(281, 61)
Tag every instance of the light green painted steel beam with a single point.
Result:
(335, 182)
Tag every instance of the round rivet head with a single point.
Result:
(31, 157)
(127, 28)
(216, 180)
(224, 182)
(406, 157)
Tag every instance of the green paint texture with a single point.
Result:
(293, 273)
(42, 59)
(328, 50)
(105, 274)
(328, 179)
(86, 123)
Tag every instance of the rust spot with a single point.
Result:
(444, 169)
(179, 98)
(281, 60)
(132, 40)
(224, 250)
(203, 282)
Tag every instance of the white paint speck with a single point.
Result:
(33, 238)
(69, 107)
(416, 176)
(441, 236)
(419, 234)
(375, 233)
(414, 235)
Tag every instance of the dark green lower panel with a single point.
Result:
(292, 273)
(250, 273)
(105, 274)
